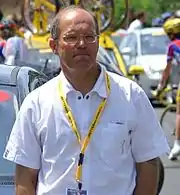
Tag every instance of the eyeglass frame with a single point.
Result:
(96, 36)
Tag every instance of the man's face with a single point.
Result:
(77, 43)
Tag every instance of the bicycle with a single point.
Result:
(167, 96)
(38, 14)
(169, 114)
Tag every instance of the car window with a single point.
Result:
(129, 41)
(149, 44)
(103, 56)
(117, 39)
(8, 111)
(44, 61)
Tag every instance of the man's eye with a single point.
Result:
(70, 38)
(90, 37)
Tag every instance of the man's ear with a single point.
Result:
(53, 45)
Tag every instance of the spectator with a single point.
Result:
(138, 22)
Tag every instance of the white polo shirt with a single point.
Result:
(136, 24)
(128, 132)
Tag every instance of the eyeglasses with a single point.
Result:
(74, 39)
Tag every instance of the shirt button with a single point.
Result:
(79, 97)
(87, 97)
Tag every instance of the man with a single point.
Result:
(86, 131)
(15, 50)
(5, 33)
(172, 29)
(2, 44)
(138, 22)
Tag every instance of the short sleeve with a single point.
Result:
(148, 139)
(10, 48)
(23, 146)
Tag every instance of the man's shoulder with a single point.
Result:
(174, 46)
(45, 91)
(125, 84)
(135, 24)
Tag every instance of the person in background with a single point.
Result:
(157, 22)
(5, 33)
(138, 22)
(165, 16)
(2, 44)
(172, 29)
(15, 50)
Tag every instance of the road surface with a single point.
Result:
(172, 170)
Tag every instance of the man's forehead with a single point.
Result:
(76, 16)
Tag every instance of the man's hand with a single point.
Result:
(159, 90)
(26, 180)
(147, 177)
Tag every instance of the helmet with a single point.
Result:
(172, 26)
(177, 14)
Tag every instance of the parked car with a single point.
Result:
(146, 47)
(15, 84)
(106, 60)
(44, 60)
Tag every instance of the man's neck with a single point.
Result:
(83, 81)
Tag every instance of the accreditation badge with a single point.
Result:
(71, 191)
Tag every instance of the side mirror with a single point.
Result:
(135, 70)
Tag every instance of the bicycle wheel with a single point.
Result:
(38, 17)
(167, 96)
(103, 10)
(167, 121)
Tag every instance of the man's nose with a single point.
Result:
(82, 42)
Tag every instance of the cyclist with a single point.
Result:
(4, 35)
(15, 50)
(172, 29)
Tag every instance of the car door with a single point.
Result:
(129, 49)
(8, 112)
(28, 80)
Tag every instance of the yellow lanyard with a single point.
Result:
(92, 127)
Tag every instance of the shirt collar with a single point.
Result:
(99, 87)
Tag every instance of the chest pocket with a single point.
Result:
(115, 144)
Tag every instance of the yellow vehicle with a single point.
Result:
(38, 13)
(36, 16)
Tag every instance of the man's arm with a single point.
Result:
(26, 180)
(147, 177)
(148, 143)
(166, 73)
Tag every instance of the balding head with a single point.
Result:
(70, 12)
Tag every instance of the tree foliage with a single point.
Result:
(154, 8)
